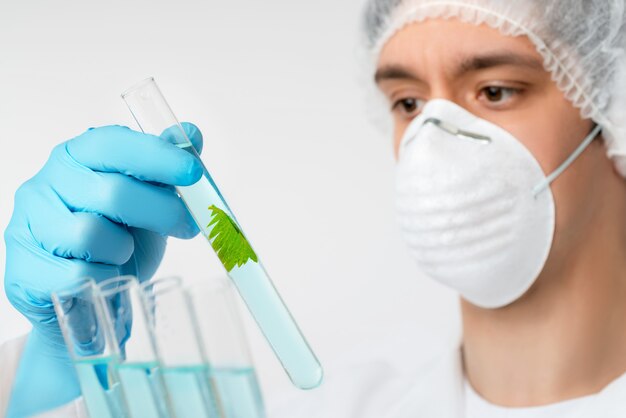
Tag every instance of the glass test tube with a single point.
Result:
(222, 334)
(219, 225)
(92, 348)
(184, 366)
(138, 366)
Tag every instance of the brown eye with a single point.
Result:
(495, 94)
(408, 106)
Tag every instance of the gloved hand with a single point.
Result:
(102, 206)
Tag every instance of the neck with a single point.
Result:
(565, 338)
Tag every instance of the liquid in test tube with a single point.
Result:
(218, 224)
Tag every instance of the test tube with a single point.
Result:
(92, 348)
(184, 366)
(138, 365)
(224, 341)
(218, 224)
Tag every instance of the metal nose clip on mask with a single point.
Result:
(453, 130)
(474, 205)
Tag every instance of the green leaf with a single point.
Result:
(232, 248)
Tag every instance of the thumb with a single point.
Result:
(191, 131)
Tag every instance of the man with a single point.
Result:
(510, 139)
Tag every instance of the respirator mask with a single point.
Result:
(474, 205)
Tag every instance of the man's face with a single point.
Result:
(496, 77)
(500, 79)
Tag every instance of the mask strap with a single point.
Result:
(549, 179)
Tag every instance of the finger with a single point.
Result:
(146, 157)
(148, 246)
(195, 136)
(86, 236)
(34, 274)
(125, 200)
(192, 133)
(90, 237)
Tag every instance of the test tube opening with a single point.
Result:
(137, 86)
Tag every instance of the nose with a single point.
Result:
(440, 90)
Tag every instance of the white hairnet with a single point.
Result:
(581, 41)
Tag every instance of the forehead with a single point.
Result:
(446, 40)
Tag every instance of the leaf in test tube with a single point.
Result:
(226, 238)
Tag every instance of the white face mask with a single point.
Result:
(474, 205)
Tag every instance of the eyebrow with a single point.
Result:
(465, 65)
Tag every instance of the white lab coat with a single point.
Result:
(371, 389)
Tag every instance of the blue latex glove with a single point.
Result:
(102, 206)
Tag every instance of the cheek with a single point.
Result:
(543, 141)
(396, 147)
(398, 133)
(551, 137)
(551, 130)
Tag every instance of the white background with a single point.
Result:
(278, 91)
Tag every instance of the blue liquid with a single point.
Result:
(239, 392)
(144, 389)
(257, 290)
(191, 392)
(100, 387)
